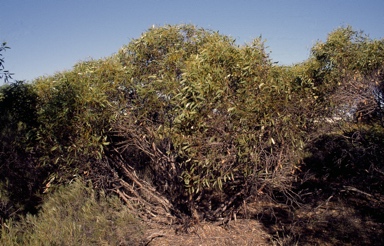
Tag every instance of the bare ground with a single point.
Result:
(341, 219)
(240, 232)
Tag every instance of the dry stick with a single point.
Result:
(149, 148)
(350, 188)
(153, 236)
(150, 190)
(140, 200)
(145, 211)
(123, 196)
(379, 171)
(223, 209)
(151, 209)
(135, 193)
(260, 190)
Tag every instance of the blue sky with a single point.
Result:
(48, 36)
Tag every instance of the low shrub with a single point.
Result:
(75, 215)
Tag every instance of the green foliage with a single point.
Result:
(190, 112)
(227, 113)
(76, 109)
(55, 129)
(75, 215)
(17, 110)
(4, 74)
(217, 117)
(349, 73)
(154, 65)
(349, 50)
(19, 174)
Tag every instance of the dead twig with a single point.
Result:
(350, 188)
(153, 236)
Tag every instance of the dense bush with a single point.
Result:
(349, 74)
(184, 121)
(75, 111)
(20, 174)
(207, 119)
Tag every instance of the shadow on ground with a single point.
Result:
(341, 187)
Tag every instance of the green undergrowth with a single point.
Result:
(75, 215)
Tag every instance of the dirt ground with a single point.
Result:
(349, 217)
(241, 232)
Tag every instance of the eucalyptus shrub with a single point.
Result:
(212, 119)
(75, 111)
(20, 176)
(56, 128)
(349, 73)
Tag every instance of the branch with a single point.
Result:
(350, 188)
